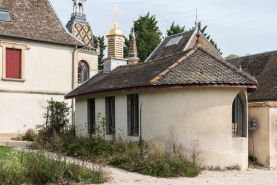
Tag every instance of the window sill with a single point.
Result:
(238, 137)
(133, 135)
(13, 79)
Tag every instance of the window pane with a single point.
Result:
(4, 15)
(237, 117)
(85, 75)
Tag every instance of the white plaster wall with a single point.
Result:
(48, 69)
(203, 114)
(92, 62)
(261, 136)
(17, 110)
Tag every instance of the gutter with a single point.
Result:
(41, 40)
(73, 75)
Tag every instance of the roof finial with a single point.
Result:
(196, 23)
(116, 11)
(198, 41)
(166, 30)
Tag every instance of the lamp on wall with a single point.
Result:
(253, 126)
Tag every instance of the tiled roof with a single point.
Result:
(264, 67)
(162, 50)
(192, 67)
(34, 20)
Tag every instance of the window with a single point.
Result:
(237, 118)
(83, 71)
(4, 15)
(173, 41)
(133, 114)
(91, 116)
(110, 115)
(13, 57)
(13, 63)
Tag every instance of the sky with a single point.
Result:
(237, 26)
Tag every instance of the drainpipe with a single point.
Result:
(73, 75)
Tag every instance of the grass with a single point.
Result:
(155, 161)
(17, 167)
(4, 150)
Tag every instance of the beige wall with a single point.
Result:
(273, 136)
(48, 73)
(261, 136)
(203, 114)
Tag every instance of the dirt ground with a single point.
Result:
(249, 177)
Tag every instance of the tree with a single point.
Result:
(148, 36)
(175, 29)
(231, 56)
(208, 37)
(102, 49)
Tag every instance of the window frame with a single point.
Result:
(244, 128)
(13, 45)
(133, 114)
(9, 16)
(110, 115)
(80, 67)
(91, 116)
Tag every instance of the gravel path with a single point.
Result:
(249, 177)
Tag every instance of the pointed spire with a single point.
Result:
(133, 53)
(198, 35)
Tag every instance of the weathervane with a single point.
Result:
(116, 11)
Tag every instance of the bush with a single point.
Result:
(56, 118)
(29, 135)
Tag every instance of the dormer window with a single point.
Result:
(5, 15)
(173, 41)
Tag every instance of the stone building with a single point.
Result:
(184, 84)
(262, 105)
(38, 60)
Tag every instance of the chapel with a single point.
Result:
(184, 84)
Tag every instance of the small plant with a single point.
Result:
(252, 158)
(29, 135)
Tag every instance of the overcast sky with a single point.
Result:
(237, 26)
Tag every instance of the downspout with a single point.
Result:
(73, 75)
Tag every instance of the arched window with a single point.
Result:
(83, 71)
(238, 118)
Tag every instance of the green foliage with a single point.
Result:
(208, 37)
(4, 151)
(155, 163)
(42, 167)
(175, 29)
(102, 49)
(231, 56)
(57, 118)
(148, 36)
(252, 158)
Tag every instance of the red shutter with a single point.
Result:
(13, 63)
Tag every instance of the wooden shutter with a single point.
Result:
(113, 114)
(129, 114)
(107, 115)
(13, 63)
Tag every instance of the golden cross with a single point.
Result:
(116, 11)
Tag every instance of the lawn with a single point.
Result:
(4, 150)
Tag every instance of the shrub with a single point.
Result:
(29, 135)
(56, 118)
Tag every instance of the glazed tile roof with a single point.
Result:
(194, 67)
(264, 67)
(162, 50)
(36, 20)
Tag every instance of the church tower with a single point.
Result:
(133, 52)
(115, 47)
(78, 24)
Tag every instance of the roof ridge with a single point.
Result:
(141, 63)
(252, 55)
(174, 65)
(230, 65)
